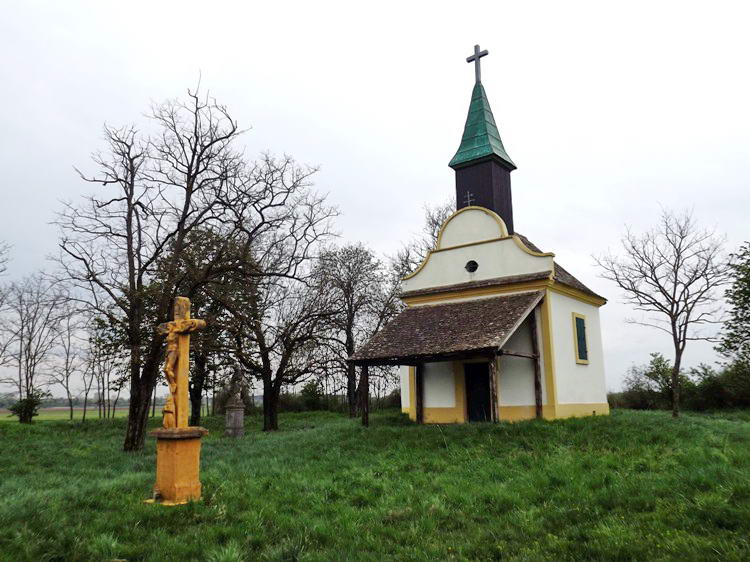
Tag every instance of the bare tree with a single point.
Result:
(672, 274)
(4, 250)
(31, 325)
(4, 337)
(277, 336)
(68, 353)
(105, 364)
(159, 189)
(364, 301)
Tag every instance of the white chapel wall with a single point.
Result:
(516, 380)
(439, 385)
(577, 384)
(403, 372)
(471, 225)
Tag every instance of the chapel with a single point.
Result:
(494, 328)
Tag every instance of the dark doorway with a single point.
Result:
(477, 377)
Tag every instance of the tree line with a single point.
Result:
(177, 208)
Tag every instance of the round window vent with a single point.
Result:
(471, 266)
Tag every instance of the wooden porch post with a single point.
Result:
(419, 391)
(364, 386)
(494, 397)
(537, 366)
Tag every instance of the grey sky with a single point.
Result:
(609, 110)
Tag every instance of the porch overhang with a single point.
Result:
(448, 332)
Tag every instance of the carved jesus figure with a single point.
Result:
(181, 325)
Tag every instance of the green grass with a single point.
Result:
(634, 485)
(46, 414)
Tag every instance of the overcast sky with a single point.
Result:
(610, 110)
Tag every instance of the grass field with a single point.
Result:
(46, 414)
(634, 485)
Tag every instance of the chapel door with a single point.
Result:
(477, 377)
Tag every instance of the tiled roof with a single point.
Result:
(435, 332)
(494, 282)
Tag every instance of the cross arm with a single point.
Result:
(181, 326)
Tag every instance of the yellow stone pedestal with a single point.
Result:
(178, 457)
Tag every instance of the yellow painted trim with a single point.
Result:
(561, 411)
(529, 251)
(575, 338)
(502, 289)
(578, 295)
(412, 394)
(549, 353)
(581, 410)
(482, 291)
(442, 415)
(467, 244)
(520, 413)
(513, 237)
(460, 382)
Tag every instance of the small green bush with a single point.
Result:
(26, 408)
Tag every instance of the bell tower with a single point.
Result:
(481, 164)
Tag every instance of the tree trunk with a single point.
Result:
(676, 383)
(365, 395)
(140, 402)
(270, 407)
(351, 389)
(70, 405)
(98, 399)
(117, 397)
(135, 433)
(196, 389)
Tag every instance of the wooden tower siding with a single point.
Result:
(486, 184)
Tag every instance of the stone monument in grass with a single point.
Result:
(234, 410)
(178, 446)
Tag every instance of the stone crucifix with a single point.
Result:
(477, 64)
(177, 362)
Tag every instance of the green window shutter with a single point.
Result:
(583, 352)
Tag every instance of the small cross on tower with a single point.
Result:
(477, 65)
(469, 199)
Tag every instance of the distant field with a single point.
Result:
(630, 486)
(61, 413)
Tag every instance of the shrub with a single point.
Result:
(648, 387)
(26, 408)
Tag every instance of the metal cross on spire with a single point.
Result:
(475, 59)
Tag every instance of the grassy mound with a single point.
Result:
(634, 485)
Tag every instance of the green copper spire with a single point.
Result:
(481, 140)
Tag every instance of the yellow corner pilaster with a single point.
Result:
(550, 383)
